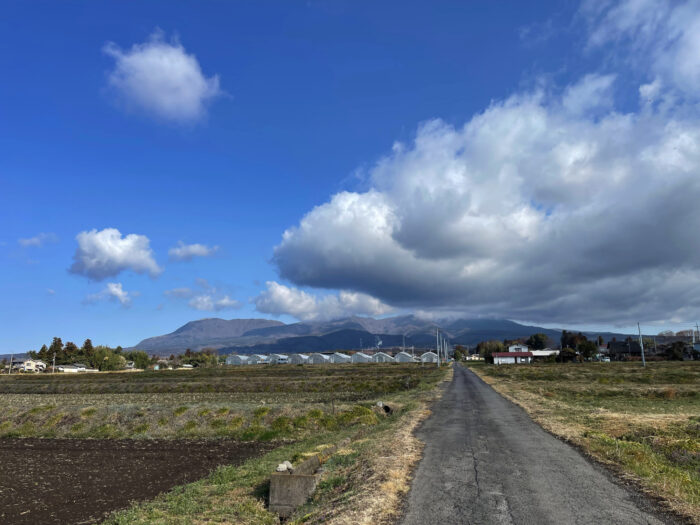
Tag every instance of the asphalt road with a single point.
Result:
(485, 461)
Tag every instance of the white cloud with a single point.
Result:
(593, 92)
(112, 292)
(657, 35)
(186, 252)
(550, 206)
(162, 79)
(105, 253)
(279, 299)
(209, 303)
(38, 240)
(205, 298)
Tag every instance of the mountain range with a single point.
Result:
(264, 335)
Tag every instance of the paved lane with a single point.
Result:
(486, 461)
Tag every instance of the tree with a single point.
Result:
(566, 355)
(571, 340)
(537, 341)
(675, 351)
(487, 348)
(139, 357)
(71, 351)
(587, 349)
(460, 353)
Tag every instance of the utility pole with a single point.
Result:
(11, 357)
(641, 344)
(437, 346)
(53, 367)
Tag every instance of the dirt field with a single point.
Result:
(51, 481)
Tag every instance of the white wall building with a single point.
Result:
(428, 357)
(319, 359)
(33, 365)
(403, 357)
(340, 358)
(279, 359)
(235, 359)
(381, 357)
(298, 359)
(360, 357)
(511, 358)
(518, 348)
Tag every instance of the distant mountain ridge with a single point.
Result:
(265, 335)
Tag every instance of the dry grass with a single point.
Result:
(643, 424)
(379, 482)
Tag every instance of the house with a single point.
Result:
(129, 365)
(279, 359)
(298, 359)
(403, 357)
(509, 358)
(381, 357)
(33, 365)
(429, 357)
(319, 359)
(518, 348)
(541, 355)
(340, 358)
(360, 357)
(235, 359)
(474, 357)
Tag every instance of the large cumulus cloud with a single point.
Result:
(551, 205)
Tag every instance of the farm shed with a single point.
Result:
(429, 357)
(381, 357)
(235, 359)
(518, 348)
(340, 358)
(539, 355)
(403, 357)
(298, 359)
(279, 359)
(510, 358)
(359, 357)
(319, 359)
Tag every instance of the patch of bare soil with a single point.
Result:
(52, 481)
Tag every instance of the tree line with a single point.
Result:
(105, 358)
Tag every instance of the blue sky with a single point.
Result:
(218, 127)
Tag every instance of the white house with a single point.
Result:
(298, 359)
(359, 357)
(381, 357)
(33, 365)
(403, 357)
(518, 348)
(340, 358)
(429, 357)
(511, 358)
(235, 359)
(319, 359)
(279, 359)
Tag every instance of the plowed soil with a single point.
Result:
(52, 481)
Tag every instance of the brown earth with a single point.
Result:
(52, 481)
